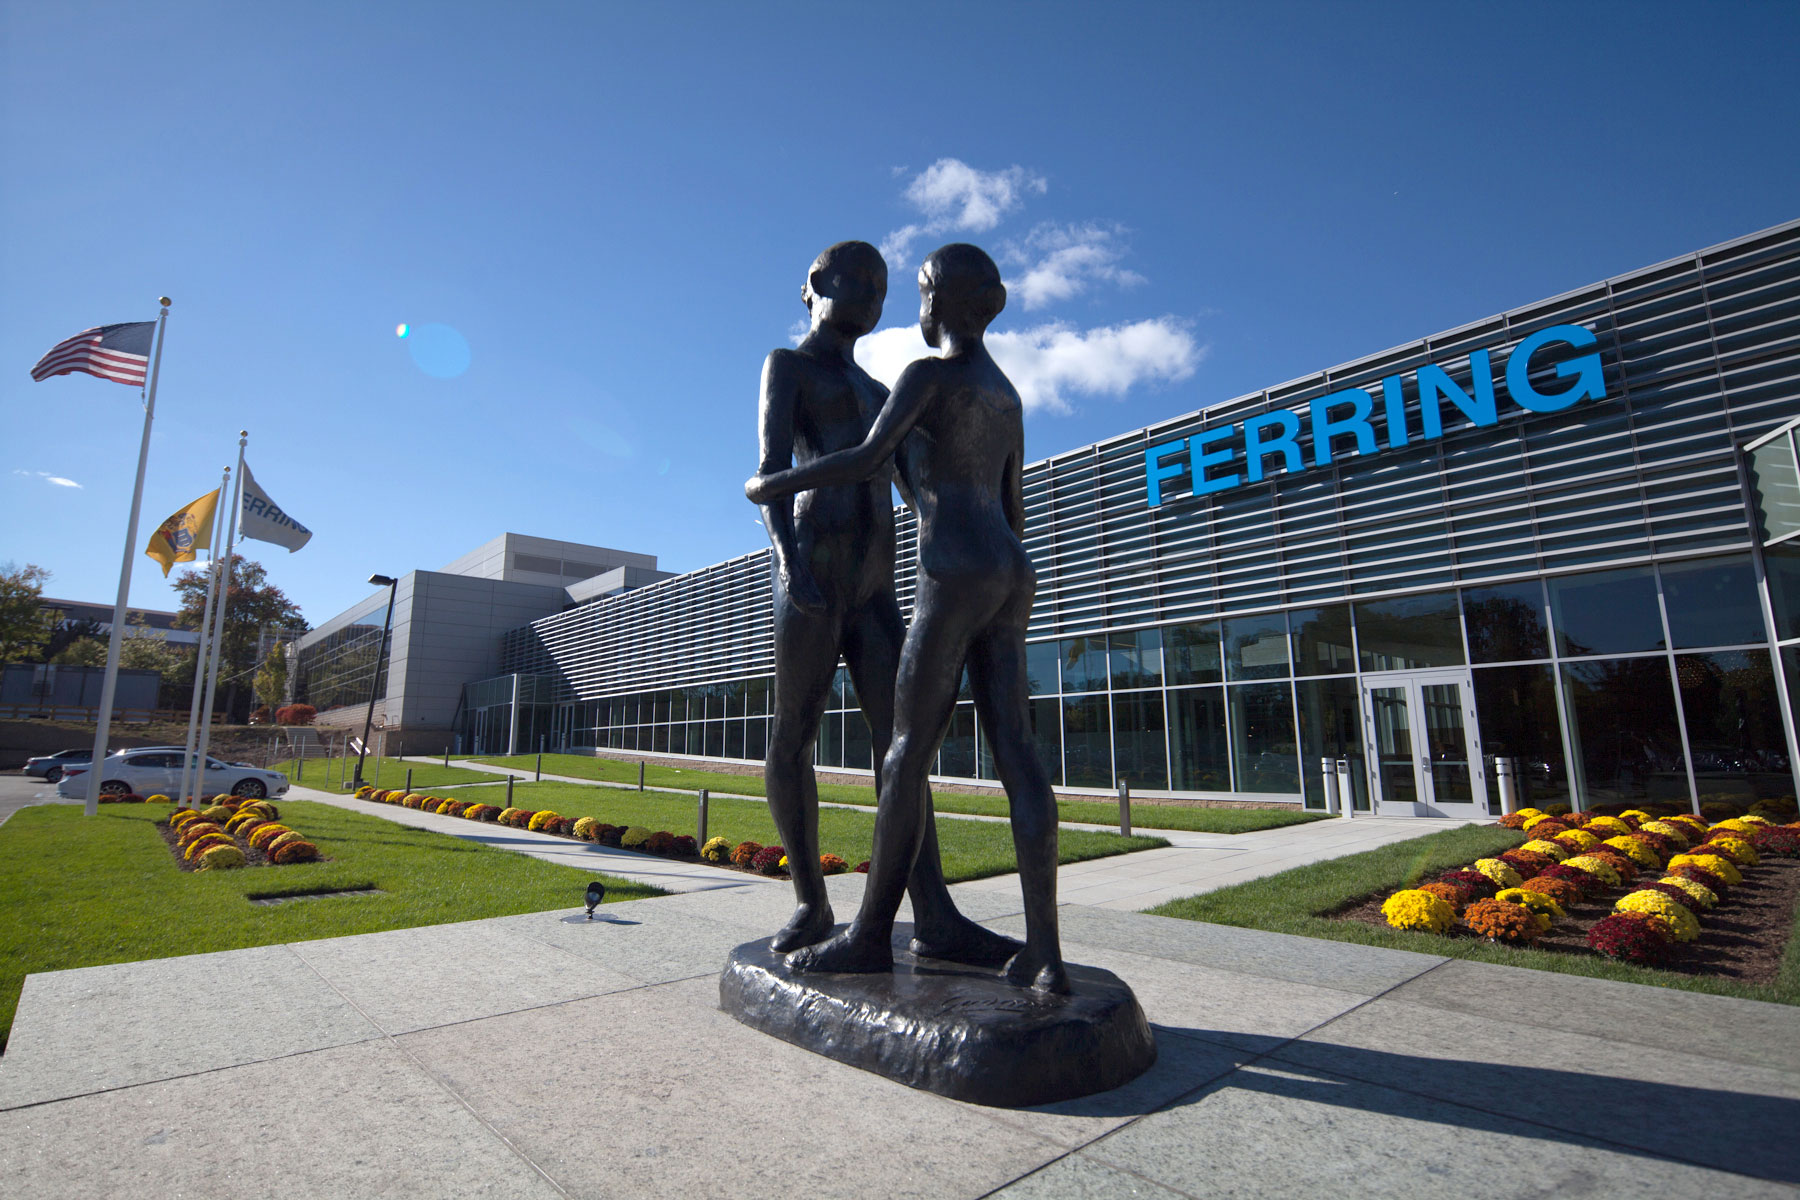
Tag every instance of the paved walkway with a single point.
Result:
(548, 1056)
(1193, 863)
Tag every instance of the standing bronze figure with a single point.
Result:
(834, 593)
(956, 425)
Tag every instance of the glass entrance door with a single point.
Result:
(1423, 746)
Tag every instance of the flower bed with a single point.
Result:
(745, 856)
(230, 833)
(1675, 893)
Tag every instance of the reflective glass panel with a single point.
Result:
(1331, 727)
(756, 738)
(1608, 612)
(659, 739)
(1201, 754)
(1734, 730)
(1192, 652)
(1713, 602)
(829, 749)
(1264, 756)
(1446, 743)
(678, 735)
(1322, 640)
(1515, 708)
(840, 689)
(678, 704)
(1412, 631)
(1507, 622)
(1087, 741)
(715, 739)
(1084, 664)
(760, 690)
(1256, 647)
(1140, 747)
(859, 744)
(1040, 668)
(734, 737)
(1627, 742)
(1772, 467)
(1396, 761)
(1136, 657)
(1783, 565)
(1046, 730)
(957, 757)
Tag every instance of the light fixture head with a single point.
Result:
(382, 581)
(596, 892)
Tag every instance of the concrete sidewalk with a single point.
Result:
(548, 1056)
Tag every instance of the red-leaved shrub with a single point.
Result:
(1632, 938)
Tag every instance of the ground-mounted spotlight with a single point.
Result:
(595, 894)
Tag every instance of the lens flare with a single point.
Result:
(438, 350)
(402, 329)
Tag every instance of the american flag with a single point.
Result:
(120, 353)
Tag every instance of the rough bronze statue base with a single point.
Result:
(959, 1031)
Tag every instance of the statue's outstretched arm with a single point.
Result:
(912, 392)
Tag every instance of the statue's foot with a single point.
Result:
(1030, 970)
(960, 940)
(847, 954)
(810, 923)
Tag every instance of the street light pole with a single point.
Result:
(393, 586)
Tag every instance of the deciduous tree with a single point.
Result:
(25, 628)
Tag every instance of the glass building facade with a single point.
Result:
(1567, 536)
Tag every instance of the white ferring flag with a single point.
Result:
(264, 520)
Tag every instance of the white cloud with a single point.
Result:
(58, 480)
(1060, 260)
(952, 196)
(1053, 362)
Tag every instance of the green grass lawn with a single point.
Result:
(1088, 812)
(970, 849)
(392, 772)
(1292, 901)
(83, 891)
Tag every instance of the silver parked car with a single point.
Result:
(157, 770)
(50, 766)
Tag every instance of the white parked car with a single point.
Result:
(155, 770)
(50, 766)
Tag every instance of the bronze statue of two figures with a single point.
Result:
(945, 1004)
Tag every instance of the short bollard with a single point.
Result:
(701, 838)
(640, 775)
(446, 756)
(300, 768)
(540, 767)
(409, 781)
(1346, 789)
(509, 787)
(1328, 772)
(1124, 808)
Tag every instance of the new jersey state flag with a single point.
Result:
(190, 529)
(263, 519)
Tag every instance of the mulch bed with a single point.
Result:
(1742, 940)
(252, 858)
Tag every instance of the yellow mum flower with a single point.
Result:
(1577, 840)
(1736, 849)
(1680, 923)
(1537, 902)
(1416, 909)
(1683, 835)
(1499, 872)
(1599, 868)
(1750, 819)
(1549, 849)
(1637, 851)
(1703, 895)
(1709, 862)
(1639, 813)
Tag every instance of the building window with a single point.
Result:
(1139, 742)
(1322, 641)
(1040, 668)
(1734, 730)
(1507, 623)
(1331, 727)
(1713, 602)
(1623, 725)
(1087, 741)
(1199, 749)
(1084, 664)
(1608, 612)
(957, 756)
(1516, 710)
(1193, 653)
(1263, 753)
(1256, 647)
(1410, 633)
(859, 742)
(1136, 658)
(1046, 731)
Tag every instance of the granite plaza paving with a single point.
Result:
(546, 1055)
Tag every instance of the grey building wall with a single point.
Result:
(447, 632)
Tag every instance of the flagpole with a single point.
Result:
(212, 590)
(218, 639)
(103, 728)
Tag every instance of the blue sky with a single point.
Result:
(613, 206)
